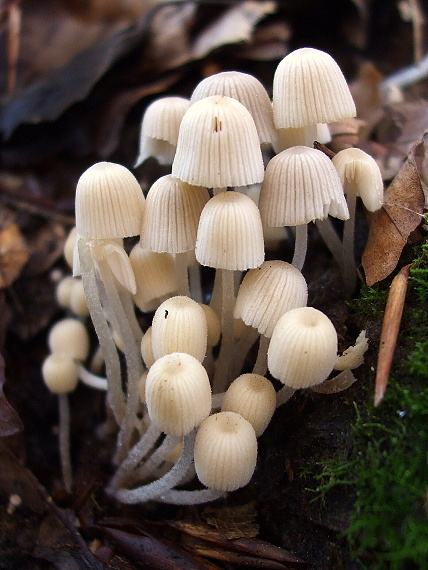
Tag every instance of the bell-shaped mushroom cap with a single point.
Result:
(146, 348)
(155, 276)
(218, 145)
(178, 393)
(159, 129)
(213, 324)
(309, 88)
(179, 325)
(171, 215)
(303, 348)
(230, 233)
(267, 292)
(301, 185)
(59, 373)
(254, 398)
(360, 175)
(109, 202)
(247, 90)
(225, 451)
(69, 336)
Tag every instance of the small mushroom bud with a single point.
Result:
(60, 373)
(70, 337)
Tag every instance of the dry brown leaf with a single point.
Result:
(392, 224)
(13, 254)
(234, 522)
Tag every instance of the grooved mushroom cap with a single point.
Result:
(178, 393)
(159, 129)
(171, 215)
(267, 292)
(247, 90)
(69, 336)
(146, 348)
(218, 145)
(225, 451)
(155, 276)
(109, 202)
(59, 373)
(213, 324)
(309, 88)
(230, 234)
(301, 185)
(254, 398)
(303, 348)
(179, 325)
(360, 175)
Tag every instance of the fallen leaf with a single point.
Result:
(234, 522)
(10, 422)
(13, 254)
(391, 226)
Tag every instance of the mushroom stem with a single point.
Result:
(349, 268)
(283, 395)
(90, 379)
(222, 373)
(195, 282)
(300, 246)
(182, 273)
(64, 441)
(242, 348)
(260, 367)
(115, 395)
(157, 488)
(175, 497)
(331, 240)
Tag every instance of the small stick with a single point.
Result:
(390, 327)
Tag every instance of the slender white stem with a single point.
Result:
(222, 373)
(242, 348)
(300, 246)
(157, 488)
(181, 269)
(195, 282)
(91, 380)
(158, 456)
(115, 396)
(260, 367)
(284, 395)
(64, 441)
(349, 268)
(331, 240)
(216, 401)
(176, 497)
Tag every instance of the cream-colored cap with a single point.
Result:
(360, 176)
(254, 398)
(69, 336)
(247, 90)
(78, 302)
(178, 393)
(69, 246)
(218, 145)
(155, 275)
(59, 373)
(146, 348)
(309, 88)
(179, 325)
(109, 202)
(63, 291)
(159, 129)
(303, 348)
(225, 451)
(267, 292)
(230, 233)
(213, 324)
(171, 215)
(301, 185)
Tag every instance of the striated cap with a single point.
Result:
(59, 373)
(267, 292)
(230, 233)
(146, 348)
(179, 325)
(254, 398)
(213, 324)
(171, 215)
(178, 393)
(301, 185)
(309, 88)
(361, 176)
(218, 145)
(159, 129)
(225, 451)
(247, 90)
(109, 202)
(155, 276)
(303, 348)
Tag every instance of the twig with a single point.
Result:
(390, 327)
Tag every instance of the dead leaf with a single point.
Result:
(391, 226)
(13, 254)
(402, 125)
(10, 422)
(46, 247)
(234, 522)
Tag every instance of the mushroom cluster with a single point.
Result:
(185, 410)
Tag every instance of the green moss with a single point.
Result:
(387, 466)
